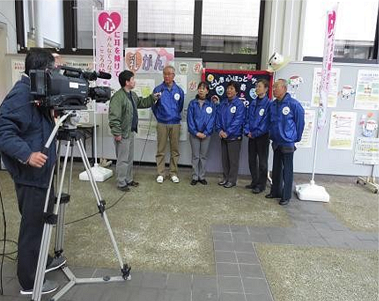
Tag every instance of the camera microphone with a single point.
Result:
(103, 75)
(95, 75)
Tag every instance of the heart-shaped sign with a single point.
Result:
(133, 61)
(109, 23)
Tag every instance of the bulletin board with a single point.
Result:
(335, 155)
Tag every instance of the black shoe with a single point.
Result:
(283, 202)
(124, 188)
(229, 185)
(250, 186)
(133, 183)
(222, 183)
(193, 182)
(271, 196)
(203, 181)
(256, 190)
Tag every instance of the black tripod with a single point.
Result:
(69, 133)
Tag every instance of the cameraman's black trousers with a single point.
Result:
(31, 202)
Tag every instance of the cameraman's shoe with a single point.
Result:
(48, 286)
(55, 264)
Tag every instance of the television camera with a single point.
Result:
(67, 88)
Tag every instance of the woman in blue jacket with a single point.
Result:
(201, 115)
(256, 128)
(229, 126)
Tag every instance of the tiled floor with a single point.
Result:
(239, 275)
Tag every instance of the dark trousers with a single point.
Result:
(31, 202)
(282, 174)
(230, 156)
(258, 149)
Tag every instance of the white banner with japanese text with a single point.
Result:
(109, 46)
(326, 66)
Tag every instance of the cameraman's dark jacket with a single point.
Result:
(25, 128)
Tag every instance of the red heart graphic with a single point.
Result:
(109, 23)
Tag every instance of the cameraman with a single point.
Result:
(24, 129)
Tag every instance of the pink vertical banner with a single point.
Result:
(326, 66)
(109, 46)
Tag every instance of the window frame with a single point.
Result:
(70, 34)
(374, 60)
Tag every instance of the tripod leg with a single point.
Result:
(101, 205)
(46, 235)
(59, 235)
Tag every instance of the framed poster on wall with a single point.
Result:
(218, 80)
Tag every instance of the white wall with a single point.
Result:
(8, 18)
(8, 42)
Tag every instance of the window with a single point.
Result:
(356, 26)
(229, 27)
(41, 29)
(166, 23)
(85, 19)
(218, 31)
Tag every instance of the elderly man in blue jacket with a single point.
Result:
(167, 111)
(286, 128)
(24, 130)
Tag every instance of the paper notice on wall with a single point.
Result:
(367, 151)
(183, 131)
(143, 88)
(83, 117)
(307, 137)
(18, 68)
(147, 130)
(342, 130)
(333, 87)
(102, 108)
(367, 93)
(181, 81)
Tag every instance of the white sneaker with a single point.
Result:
(160, 179)
(175, 179)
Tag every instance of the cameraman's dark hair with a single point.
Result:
(235, 85)
(40, 59)
(124, 76)
(264, 82)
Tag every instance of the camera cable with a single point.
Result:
(94, 214)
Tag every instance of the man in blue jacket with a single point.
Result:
(24, 130)
(286, 128)
(167, 111)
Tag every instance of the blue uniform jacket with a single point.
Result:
(201, 119)
(24, 129)
(286, 121)
(169, 106)
(257, 118)
(230, 117)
